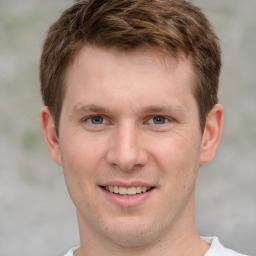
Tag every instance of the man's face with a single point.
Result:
(130, 143)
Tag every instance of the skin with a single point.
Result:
(129, 119)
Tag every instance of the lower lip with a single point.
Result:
(125, 200)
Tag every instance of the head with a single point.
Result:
(131, 89)
(172, 27)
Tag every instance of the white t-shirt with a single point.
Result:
(216, 249)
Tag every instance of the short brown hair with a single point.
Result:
(173, 26)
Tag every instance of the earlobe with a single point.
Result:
(212, 133)
(48, 127)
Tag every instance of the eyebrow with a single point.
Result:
(164, 108)
(80, 108)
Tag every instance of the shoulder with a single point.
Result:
(218, 249)
(71, 251)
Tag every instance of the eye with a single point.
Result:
(95, 119)
(158, 120)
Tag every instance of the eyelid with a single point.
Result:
(106, 120)
(87, 118)
(167, 119)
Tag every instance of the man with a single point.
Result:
(131, 112)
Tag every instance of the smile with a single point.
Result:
(127, 191)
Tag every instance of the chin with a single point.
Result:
(132, 239)
(134, 234)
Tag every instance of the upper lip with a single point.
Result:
(126, 184)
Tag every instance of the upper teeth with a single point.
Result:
(127, 191)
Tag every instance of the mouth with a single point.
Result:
(130, 191)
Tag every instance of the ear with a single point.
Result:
(48, 127)
(212, 133)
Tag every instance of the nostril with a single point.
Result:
(126, 149)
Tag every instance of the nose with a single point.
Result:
(126, 148)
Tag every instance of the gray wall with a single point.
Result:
(36, 214)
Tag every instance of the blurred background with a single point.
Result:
(36, 214)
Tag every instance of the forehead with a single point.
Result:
(141, 73)
(90, 57)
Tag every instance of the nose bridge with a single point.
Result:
(126, 149)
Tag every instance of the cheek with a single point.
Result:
(177, 149)
(81, 154)
(178, 158)
(82, 159)
(79, 165)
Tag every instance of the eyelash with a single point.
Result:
(166, 120)
(104, 120)
(89, 119)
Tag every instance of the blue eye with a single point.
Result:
(96, 119)
(159, 120)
